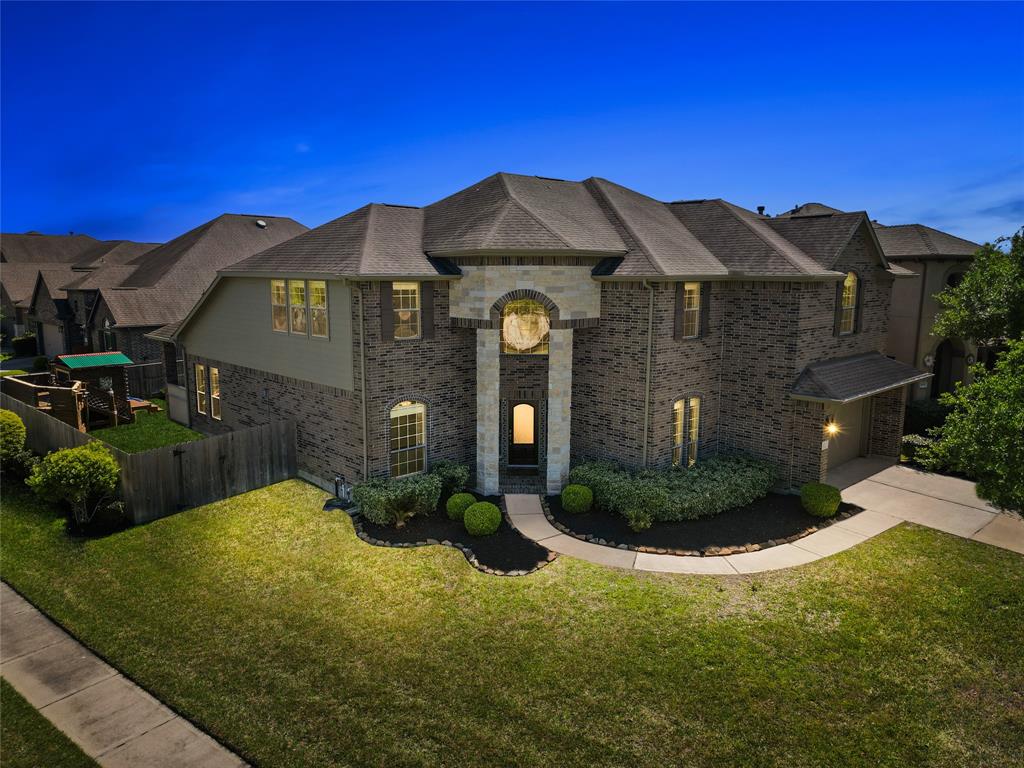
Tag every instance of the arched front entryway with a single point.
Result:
(949, 367)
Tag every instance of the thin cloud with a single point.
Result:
(1010, 210)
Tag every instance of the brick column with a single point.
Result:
(559, 407)
(887, 409)
(488, 403)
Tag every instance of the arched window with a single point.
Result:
(524, 328)
(408, 442)
(848, 307)
(686, 413)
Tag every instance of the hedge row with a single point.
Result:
(708, 488)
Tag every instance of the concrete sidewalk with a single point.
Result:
(113, 720)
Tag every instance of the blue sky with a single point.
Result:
(141, 121)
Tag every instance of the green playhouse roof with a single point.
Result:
(94, 359)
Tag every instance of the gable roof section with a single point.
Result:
(809, 209)
(916, 241)
(19, 280)
(743, 241)
(661, 245)
(844, 379)
(821, 237)
(512, 212)
(144, 307)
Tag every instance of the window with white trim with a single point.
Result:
(318, 309)
(200, 371)
(215, 393)
(297, 307)
(279, 306)
(691, 310)
(848, 308)
(408, 443)
(686, 414)
(405, 303)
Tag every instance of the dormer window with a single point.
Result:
(525, 326)
(848, 305)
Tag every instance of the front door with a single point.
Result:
(522, 435)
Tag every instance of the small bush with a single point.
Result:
(23, 346)
(41, 364)
(482, 519)
(819, 499)
(923, 415)
(912, 444)
(458, 504)
(577, 499)
(453, 476)
(83, 478)
(12, 436)
(393, 501)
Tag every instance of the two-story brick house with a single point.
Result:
(525, 323)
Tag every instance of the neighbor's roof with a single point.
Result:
(843, 379)
(34, 248)
(53, 276)
(19, 280)
(94, 359)
(916, 241)
(809, 209)
(165, 332)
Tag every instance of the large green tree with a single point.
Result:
(987, 306)
(983, 436)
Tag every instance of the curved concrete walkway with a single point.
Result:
(889, 495)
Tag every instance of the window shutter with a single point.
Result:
(705, 309)
(677, 328)
(387, 315)
(839, 308)
(427, 309)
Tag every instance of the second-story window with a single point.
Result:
(297, 307)
(318, 309)
(848, 306)
(405, 303)
(279, 305)
(691, 310)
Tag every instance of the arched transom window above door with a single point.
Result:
(525, 326)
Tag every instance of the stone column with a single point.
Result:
(488, 422)
(559, 407)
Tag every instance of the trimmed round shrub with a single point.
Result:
(12, 436)
(577, 498)
(458, 504)
(482, 519)
(820, 500)
(83, 478)
(41, 364)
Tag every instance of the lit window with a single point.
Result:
(279, 305)
(687, 431)
(691, 310)
(318, 308)
(408, 438)
(215, 393)
(297, 306)
(848, 308)
(525, 327)
(405, 302)
(200, 388)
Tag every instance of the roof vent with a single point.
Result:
(261, 223)
(760, 210)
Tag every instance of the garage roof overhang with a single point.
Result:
(845, 379)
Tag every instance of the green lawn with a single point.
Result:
(150, 430)
(12, 372)
(268, 622)
(29, 740)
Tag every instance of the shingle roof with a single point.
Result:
(916, 241)
(19, 279)
(145, 307)
(53, 277)
(165, 332)
(103, 277)
(809, 209)
(843, 379)
(109, 252)
(820, 237)
(44, 249)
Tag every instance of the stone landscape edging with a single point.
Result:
(467, 552)
(709, 551)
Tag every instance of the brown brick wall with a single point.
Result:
(886, 429)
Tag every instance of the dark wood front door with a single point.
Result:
(522, 434)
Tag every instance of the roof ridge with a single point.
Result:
(648, 256)
(364, 247)
(526, 209)
(757, 231)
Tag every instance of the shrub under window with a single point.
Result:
(393, 501)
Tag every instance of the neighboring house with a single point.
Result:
(118, 304)
(23, 258)
(526, 323)
(937, 259)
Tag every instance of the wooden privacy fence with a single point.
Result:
(162, 481)
(145, 379)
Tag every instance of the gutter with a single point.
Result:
(647, 375)
(362, 384)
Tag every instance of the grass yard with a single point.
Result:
(268, 622)
(150, 430)
(12, 372)
(29, 740)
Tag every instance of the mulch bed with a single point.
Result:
(505, 553)
(770, 521)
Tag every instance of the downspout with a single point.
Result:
(362, 384)
(647, 375)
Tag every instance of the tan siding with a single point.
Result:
(234, 327)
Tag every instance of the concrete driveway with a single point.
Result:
(944, 503)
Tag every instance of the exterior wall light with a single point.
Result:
(832, 428)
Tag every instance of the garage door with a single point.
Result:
(848, 443)
(53, 340)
